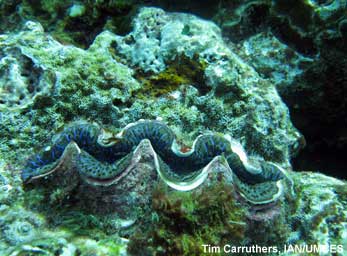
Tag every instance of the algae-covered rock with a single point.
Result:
(98, 84)
(21, 80)
(243, 97)
(305, 25)
(319, 211)
(78, 73)
(26, 230)
(56, 83)
(69, 21)
(273, 59)
(301, 47)
(318, 107)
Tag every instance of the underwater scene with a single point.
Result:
(173, 127)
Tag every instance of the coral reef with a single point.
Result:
(313, 43)
(97, 80)
(307, 39)
(304, 25)
(318, 26)
(154, 42)
(319, 212)
(273, 59)
(319, 110)
(70, 22)
(93, 191)
(313, 89)
(98, 75)
(78, 22)
(22, 80)
(27, 229)
(20, 231)
(28, 111)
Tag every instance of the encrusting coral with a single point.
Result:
(102, 159)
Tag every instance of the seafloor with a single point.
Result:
(271, 74)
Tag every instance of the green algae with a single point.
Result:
(186, 220)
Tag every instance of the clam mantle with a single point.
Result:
(101, 159)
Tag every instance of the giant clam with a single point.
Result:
(102, 159)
